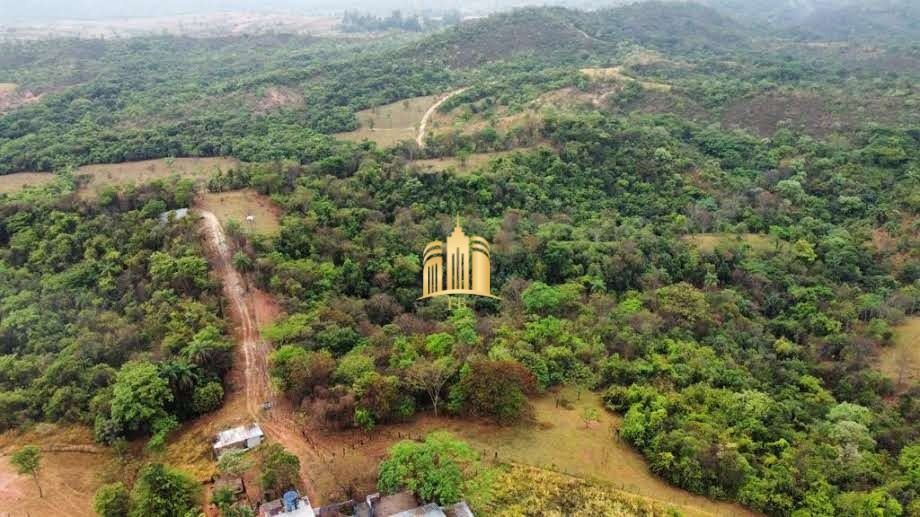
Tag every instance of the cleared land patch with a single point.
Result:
(239, 204)
(19, 180)
(72, 468)
(127, 173)
(461, 165)
(558, 441)
(707, 242)
(391, 123)
(901, 361)
(145, 171)
(615, 73)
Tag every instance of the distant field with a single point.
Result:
(616, 73)
(471, 163)
(239, 204)
(205, 24)
(7, 88)
(707, 242)
(102, 175)
(18, 181)
(198, 169)
(901, 361)
(391, 123)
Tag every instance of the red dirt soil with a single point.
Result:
(252, 309)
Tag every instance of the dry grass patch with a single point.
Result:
(901, 361)
(20, 180)
(558, 440)
(72, 468)
(708, 242)
(146, 171)
(7, 88)
(239, 204)
(391, 123)
(615, 73)
(462, 165)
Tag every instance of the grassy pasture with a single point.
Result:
(73, 466)
(391, 123)
(558, 440)
(901, 361)
(472, 162)
(127, 173)
(145, 171)
(616, 74)
(238, 204)
(15, 182)
(707, 242)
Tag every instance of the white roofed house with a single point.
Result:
(244, 437)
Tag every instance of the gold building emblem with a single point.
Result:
(458, 266)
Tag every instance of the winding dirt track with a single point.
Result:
(423, 125)
(251, 310)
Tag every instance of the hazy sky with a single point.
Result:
(15, 11)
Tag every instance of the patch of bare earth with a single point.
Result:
(250, 384)
(900, 361)
(277, 97)
(73, 466)
(20, 180)
(11, 97)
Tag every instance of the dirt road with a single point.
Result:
(252, 309)
(423, 125)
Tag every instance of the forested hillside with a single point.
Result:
(108, 315)
(713, 226)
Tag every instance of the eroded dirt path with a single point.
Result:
(251, 310)
(423, 124)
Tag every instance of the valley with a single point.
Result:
(698, 223)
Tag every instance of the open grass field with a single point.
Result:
(391, 123)
(471, 163)
(239, 204)
(558, 441)
(127, 173)
(7, 88)
(707, 242)
(616, 74)
(18, 181)
(901, 361)
(145, 171)
(72, 468)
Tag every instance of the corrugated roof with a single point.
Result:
(237, 435)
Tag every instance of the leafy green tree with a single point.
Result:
(112, 500)
(27, 461)
(431, 377)
(234, 463)
(140, 396)
(207, 398)
(434, 470)
(280, 469)
(161, 491)
(589, 414)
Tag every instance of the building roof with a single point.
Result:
(276, 508)
(237, 435)
(429, 510)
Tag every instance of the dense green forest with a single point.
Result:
(744, 371)
(108, 315)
